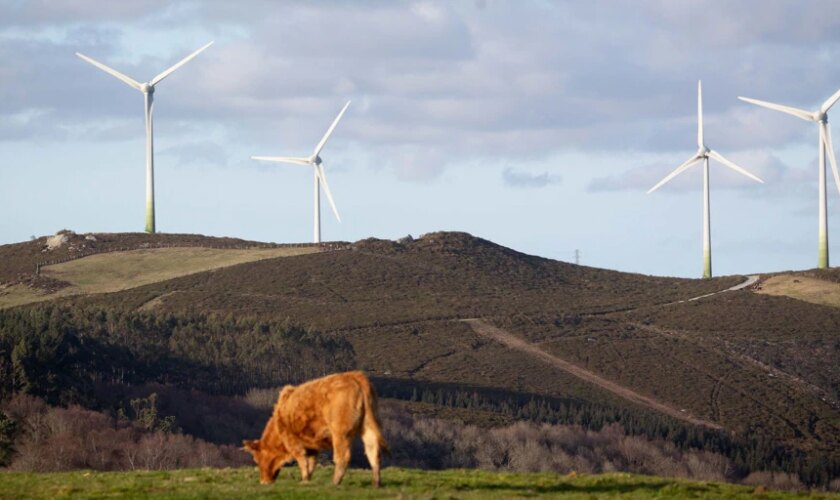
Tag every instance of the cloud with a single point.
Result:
(770, 21)
(433, 83)
(22, 13)
(634, 179)
(520, 179)
(415, 163)
(199, 152)
(779, 177)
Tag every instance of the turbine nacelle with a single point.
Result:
(704, 154)
(819, 116)
(320, 177)
(826, 149)
(703, 151)
(147, 89)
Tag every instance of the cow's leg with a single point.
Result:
(371, 440)
(303, 463)
(311, 461)
(341, 457)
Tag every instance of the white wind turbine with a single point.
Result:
(821, 117)
(704, 153)
(318, 171)
(148, 90)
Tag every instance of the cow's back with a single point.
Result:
(314, 410)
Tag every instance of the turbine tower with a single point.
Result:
(821, 117)
(704, 153)
(318, 172)
(148, 90)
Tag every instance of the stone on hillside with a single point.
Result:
(57, 241)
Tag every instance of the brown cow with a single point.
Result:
(322, 413)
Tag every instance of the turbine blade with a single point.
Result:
(830, 102)
(321, 175)
(799, 113)
(128, 80)
(682, 168)
(719, 157)
(830, 151)
(699, 114)
(183, 61)
(321, 144)
(283, 159)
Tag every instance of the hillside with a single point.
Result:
(71, 264)
(440, 276)
(816, 287)
(401, 305)
(462, 323)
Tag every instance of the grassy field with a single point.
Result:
(812, 290)
(115, 271)
(397, 483)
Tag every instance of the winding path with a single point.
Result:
(750, 281)
(512, 341)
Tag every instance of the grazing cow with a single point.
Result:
(322, 413)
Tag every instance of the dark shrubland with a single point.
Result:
(61, 352)
(527, 447)
(114, 361)
(54, 439)
(148, 432)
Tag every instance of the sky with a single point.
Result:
(537, 125)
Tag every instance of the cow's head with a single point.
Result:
(269, 459)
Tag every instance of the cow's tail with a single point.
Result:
(371, 420)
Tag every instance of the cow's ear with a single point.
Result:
(285, 392)
(252, 445)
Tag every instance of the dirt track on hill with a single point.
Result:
(750, 281)
(512, 341)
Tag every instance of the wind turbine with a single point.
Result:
(148, 90)
(704, 153)
(821, 117)
(318, 171)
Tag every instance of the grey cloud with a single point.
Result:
(450, 78)
(758, 127)
(414, 163)
(771, 21)
(346, 32)
(635, 179)
(20, 13)
(520, 179)
(198, 153)
(778, 177)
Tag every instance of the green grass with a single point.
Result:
(397, 483)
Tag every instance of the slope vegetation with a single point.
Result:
(765, 369)
(440, 276)
(582, 345)
(100, 263)
(115, 271)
